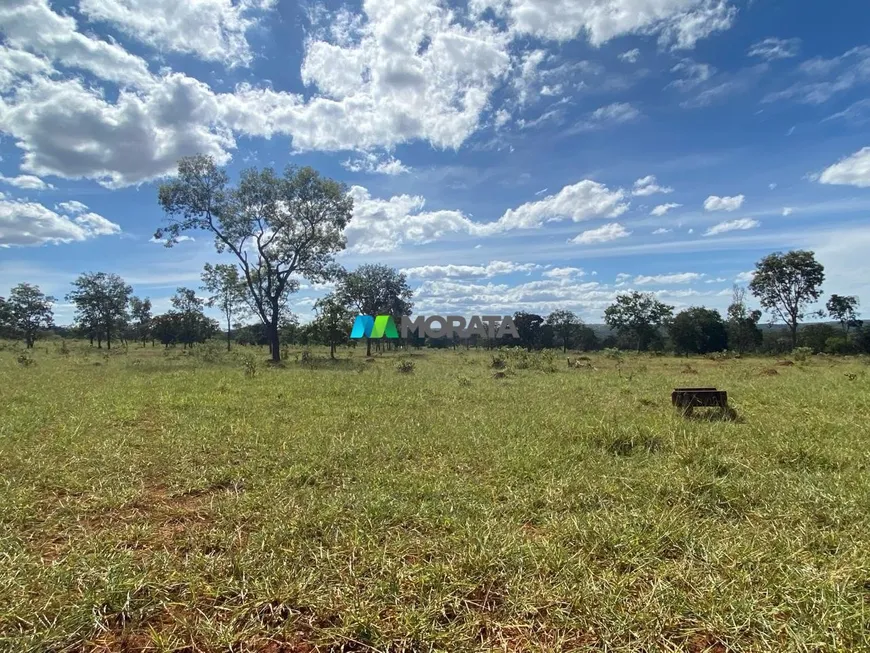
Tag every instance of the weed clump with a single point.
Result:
(249, 365)
(802, 354)
(405, 367)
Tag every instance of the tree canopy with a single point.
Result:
(565, 323)
(277, 227)
(787, 284)
(844, 310)
(639, 316)
(375, 290)
(698, 330)
(27, 311)
(228, 292)
(101, 301)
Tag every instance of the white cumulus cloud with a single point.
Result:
(491, 269)
(715, 203)
(603, 234)
(663, 209)
(213, 30)
(668, 279)
(732, 225)
(853, 170)
(775, 48)
(630, 56)
(372, 163)
(648, 186)
(679, 23)
(26, 182)
(25, 223)
(564, 273)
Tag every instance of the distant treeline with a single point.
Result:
(299, 229)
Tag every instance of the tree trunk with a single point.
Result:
(368, 347)
(793, 327)
(332, 350)
(29, 341)
(274, 336)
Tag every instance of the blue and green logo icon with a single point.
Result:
(366, 326)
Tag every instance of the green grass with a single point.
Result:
(161, 501)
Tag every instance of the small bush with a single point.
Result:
(249, 365)
(499, 362)
(25, 359)
(306, 357)
(405, 367)
(547, 361)
(464, 382)
(613, 354)
(802, 354)
(210, 351)
(64, 350)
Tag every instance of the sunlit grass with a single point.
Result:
(157, 500)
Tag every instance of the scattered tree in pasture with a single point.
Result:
(140, 313)
(843, 309)
(743, 332)
(375, 290)
(698, 330)
(529, 329)
(585, 339)
(27, 311)
(277, 227)
(192, 323)
(101, 301)
(786, 284)
(5, 319)
(333, 323)
(566, 324)
(228, 292)
(638, 316)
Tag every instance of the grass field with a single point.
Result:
(155, 500)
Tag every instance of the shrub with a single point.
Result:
(499, 362)
(210, 351)
(547, 361)
(405, 367)
(249, 365)
(802, 354)
(613, 353)
(839, 346)
(25, 360)
(64, 350)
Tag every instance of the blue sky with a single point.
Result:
(507, 154)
